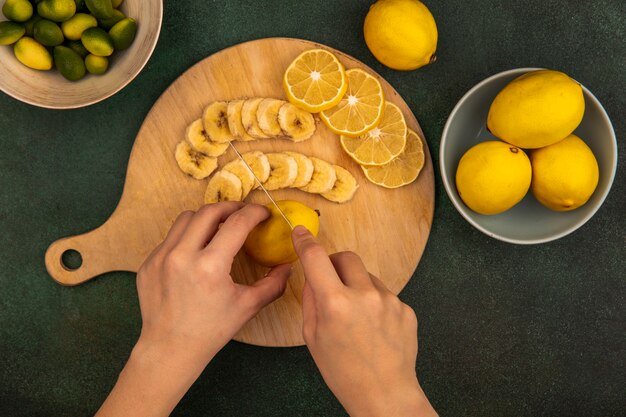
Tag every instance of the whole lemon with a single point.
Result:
(401, 34)
(565, 174)
(269, 243)
(493, 176)
(32, 54)
(537, 109)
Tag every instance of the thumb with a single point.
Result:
(270, 287)
(318, 269)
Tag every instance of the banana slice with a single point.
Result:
(234, 121)
(215, 122)
(239, 168)
(296, 123)
(197, 137)
(284, 170)
(223, 186)
(194, 163)
(249, 120)
(260, 165)
(323, 178)
(344, 188)
(305, 169)
(267, 116)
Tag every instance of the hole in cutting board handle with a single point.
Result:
(71, 260)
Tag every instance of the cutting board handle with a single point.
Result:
(102, 250)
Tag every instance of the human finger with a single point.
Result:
(379, 284)
(233, 233)
(309, 313)
(268, 289)
(318, 269)
(351, 269)
(205, 223)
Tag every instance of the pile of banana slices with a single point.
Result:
(251, 119)
(280, 170)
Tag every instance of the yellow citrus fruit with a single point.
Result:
(381, 144)
(565, 174)
(56, 10)
(32, 54)
(17, 10)
(537, 109)
(361, 107)
(315, 80)
(403, 169)
(269, 243)
(401, 34)
(493, 176)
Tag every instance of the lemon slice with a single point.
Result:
(381, 144)
(361, 107)
(403, 169)
(315, 80)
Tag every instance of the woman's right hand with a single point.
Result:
(361, 336)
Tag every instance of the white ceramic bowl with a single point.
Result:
(528, 222)
(49, 89)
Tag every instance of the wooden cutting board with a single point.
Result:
(388, 228)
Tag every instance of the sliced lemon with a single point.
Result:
(315, 80)
(381, 144)
(403, 169)
(361, 107)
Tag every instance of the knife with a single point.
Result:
(261, 185)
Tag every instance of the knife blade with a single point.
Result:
(261, 185)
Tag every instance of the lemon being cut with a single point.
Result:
(361, 107)
(403, 169)
(315, 81)
(381, 144)
(270, 243)
(565, 174)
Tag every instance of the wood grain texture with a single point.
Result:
(388, 228)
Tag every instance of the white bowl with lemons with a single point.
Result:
(49, 89)
(527, 222)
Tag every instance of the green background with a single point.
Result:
(504, 330)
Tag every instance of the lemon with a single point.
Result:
(493, 176)
(29, 25)
(69, 63)
(537, 109)
(361, 107)
(108, 23)
(381, 144)
(48, 33)
(10, 32)
(56, 10)
(315, 80)
(32, 54)
(269, 243)
(123, 33)
(97, 65)
(102, 9)
(401, 34)
(403, 169)
(97, 42)
(17, 10)
(565, 174)
(74, 27)
(78, 47)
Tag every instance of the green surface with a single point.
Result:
(505, 330)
